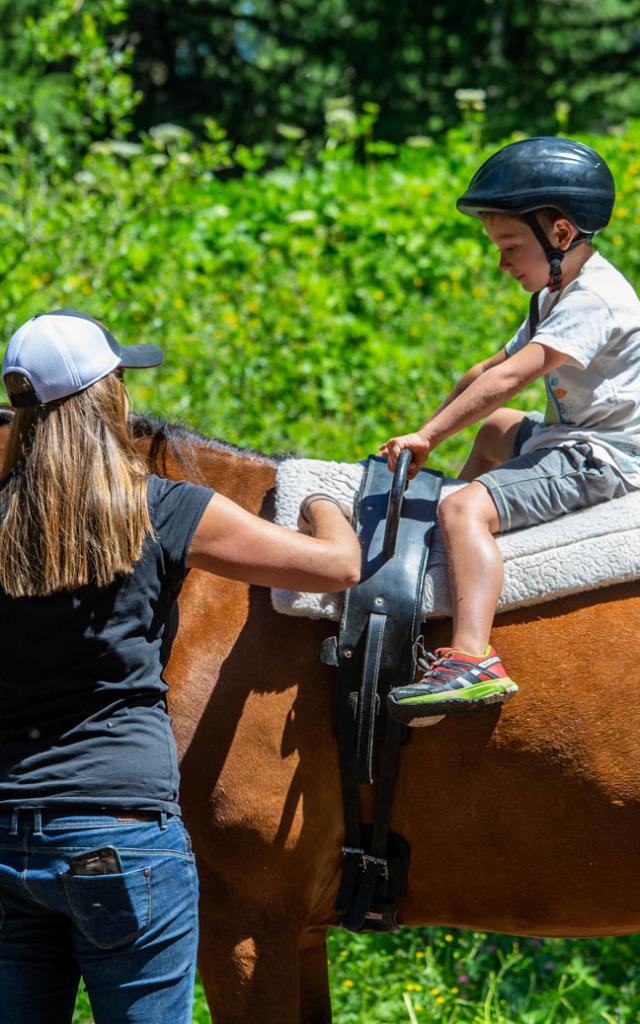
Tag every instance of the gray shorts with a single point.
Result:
(549, 482)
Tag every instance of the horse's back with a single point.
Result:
(525, 819)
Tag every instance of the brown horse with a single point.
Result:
(524, 821)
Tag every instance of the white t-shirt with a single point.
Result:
(595, 396)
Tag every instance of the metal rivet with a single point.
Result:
(146, 872)
(378, 600)
(347, 652)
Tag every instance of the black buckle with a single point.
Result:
(382, 862)
(356, 851)
(366, 859)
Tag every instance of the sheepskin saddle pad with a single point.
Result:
(582, 551)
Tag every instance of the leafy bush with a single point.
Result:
(317, 308)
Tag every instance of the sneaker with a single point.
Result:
(454, 683)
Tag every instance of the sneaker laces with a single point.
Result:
(427, 661)
(443, 667)
(421, 656)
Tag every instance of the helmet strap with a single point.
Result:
(554, 256)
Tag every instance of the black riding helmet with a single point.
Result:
(545, 172)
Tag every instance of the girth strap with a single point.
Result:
(368, 702)
(380, 622)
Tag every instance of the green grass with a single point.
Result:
(444, 975)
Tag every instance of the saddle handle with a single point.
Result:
(396, 495)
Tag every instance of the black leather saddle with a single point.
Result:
(374, 651)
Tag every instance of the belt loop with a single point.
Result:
(13, 831)
(163, 821)
(37, 822)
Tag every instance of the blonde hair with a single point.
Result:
(74, 498)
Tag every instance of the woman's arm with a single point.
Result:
(230, 541)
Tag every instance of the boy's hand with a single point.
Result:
(419, 445)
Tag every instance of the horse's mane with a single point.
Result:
(182, 444)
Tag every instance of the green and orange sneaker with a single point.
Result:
(454, 683)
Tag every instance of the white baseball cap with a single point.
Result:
(64, 352)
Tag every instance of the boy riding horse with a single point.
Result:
(541, 201)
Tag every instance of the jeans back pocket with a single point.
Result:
(110, 910)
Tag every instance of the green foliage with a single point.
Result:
(317, 308)
(64, 78)
(267, 68)
(433, 975)
(255, 63)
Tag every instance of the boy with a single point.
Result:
(540, 200)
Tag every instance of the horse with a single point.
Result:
(522, 819)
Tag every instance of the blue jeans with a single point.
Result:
(132, 936)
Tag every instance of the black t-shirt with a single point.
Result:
(83, 712)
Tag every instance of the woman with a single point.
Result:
(96, 872)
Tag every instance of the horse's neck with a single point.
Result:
(242, 476)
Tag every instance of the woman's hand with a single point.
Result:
(420, 445)
(305, 514)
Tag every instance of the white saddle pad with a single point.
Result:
(591, 548)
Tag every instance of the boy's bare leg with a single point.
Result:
(493, 444)
(468, 520)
